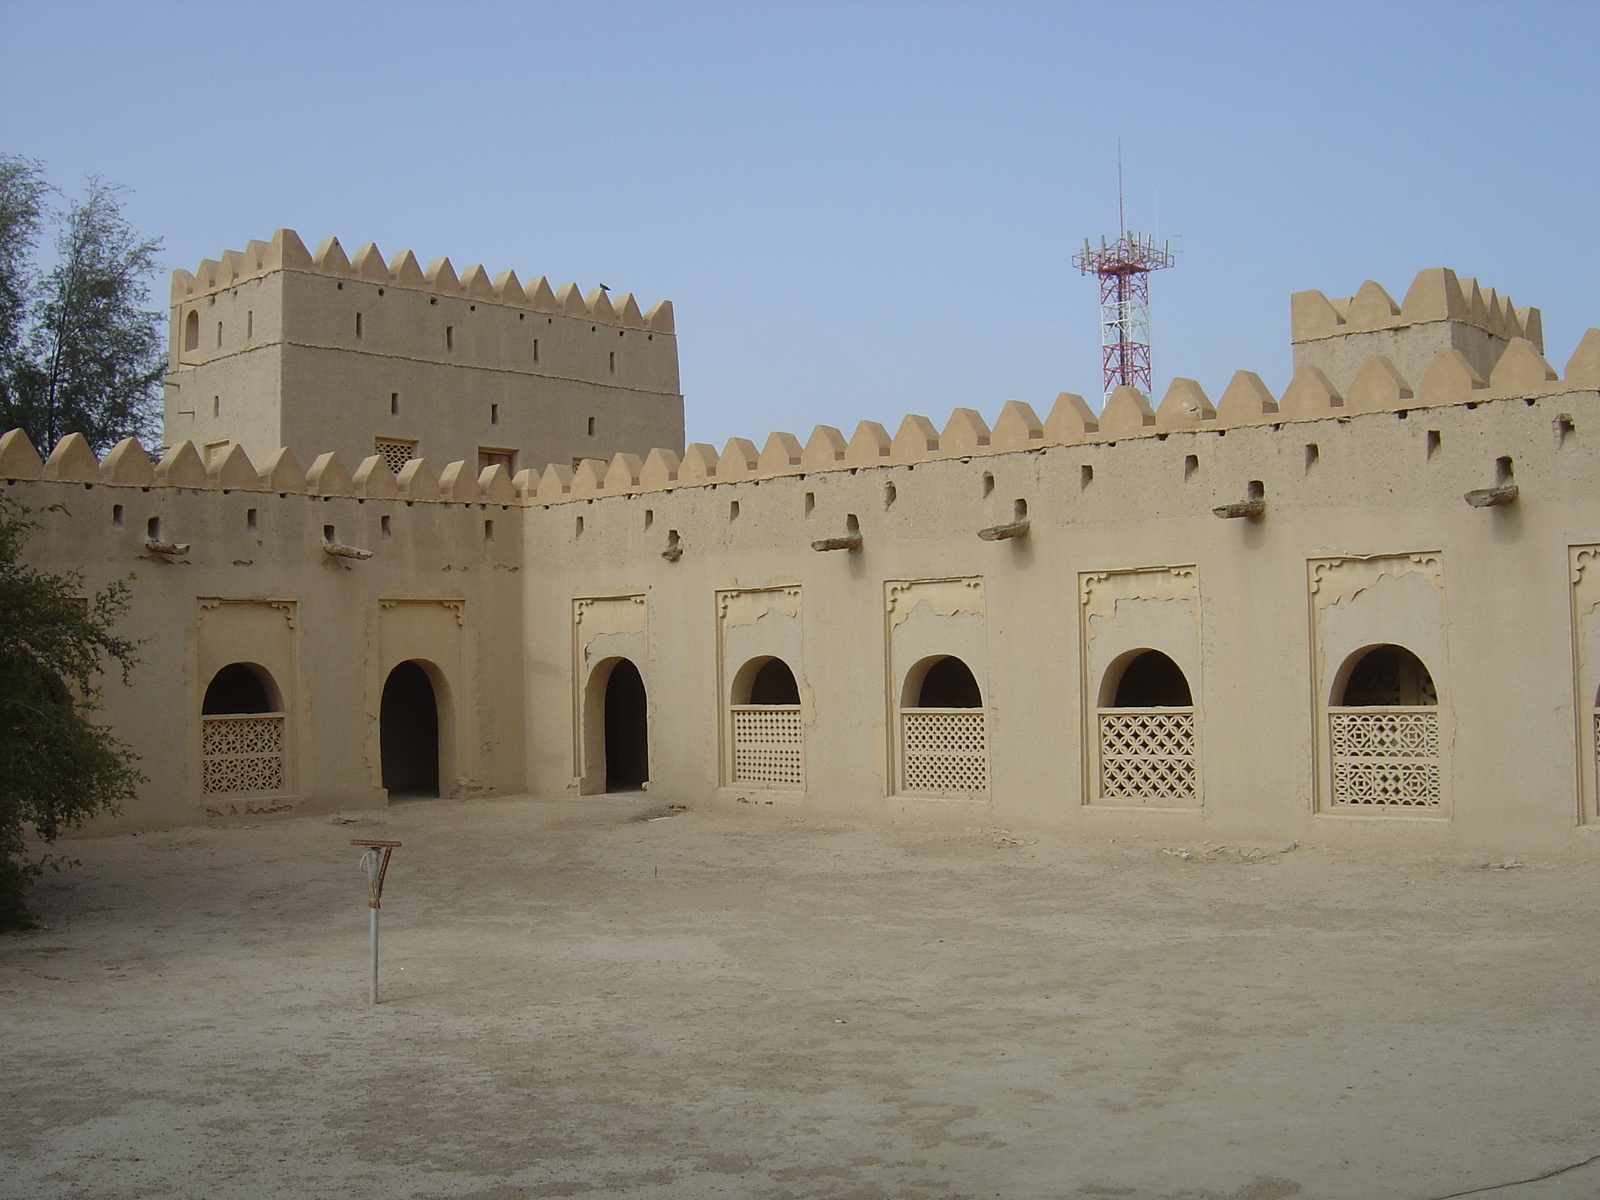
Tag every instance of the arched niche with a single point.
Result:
(616, 718)
(941, 681)
(1384, 676)
(241, 688)
(1145, 678)
(766, 681)
(410, 728)
(191, 331)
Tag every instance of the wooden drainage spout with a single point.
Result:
(1252, 510)
(1492, 497)
(339, 550)
(999, 533)
(850, 541)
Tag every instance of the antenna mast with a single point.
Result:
(1123, 268)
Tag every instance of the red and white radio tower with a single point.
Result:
(1124, 268)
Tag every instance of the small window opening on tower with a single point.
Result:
(649, 517)
(536, 351)
(811, 504)
(1191, 466)
(1255, 490)
(1564, 429)
(1312, 454)
(1433, 442)
(488, 531)
(330, 534)
(191, 331)
(578, 529)
(613, 362)
(1085, 476)
(152, 529)
(383, 527)
(250, 324)
(1019, 509)
(449, 337)
(116, 514)
(219, 335)
(851, 523)
(494, 414)
(591, 426)
(890, 495)
(358, 324)
(733, 510)
(394, 404)
(988, 482)
(250, 519)
(1502, 470)
(216, 406)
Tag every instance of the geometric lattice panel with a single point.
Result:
(1147, 755)
(241, 754)
(396, 454)
(767, 742)
(946, 750)
(1386, 758)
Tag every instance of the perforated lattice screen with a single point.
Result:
(1147, 755)
(767, 744)
(945, 750)
(1386, 758)
(242, 754)
(396, 454)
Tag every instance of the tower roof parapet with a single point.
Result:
(286, 252)
(1436, 294)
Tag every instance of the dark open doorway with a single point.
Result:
(408, 733)
(627, 730)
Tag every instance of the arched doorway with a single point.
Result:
(1383, 730)
(408, 733)
(1147, 732)
(765, 731)
(944, 747)
(242, 732)
(627, 729)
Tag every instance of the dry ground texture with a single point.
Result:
(581, 1002)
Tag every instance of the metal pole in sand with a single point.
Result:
(375, 862)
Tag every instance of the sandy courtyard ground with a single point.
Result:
(580, 1002)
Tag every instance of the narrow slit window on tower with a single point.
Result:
(488, 531)
(733, 510)
(494, 414)
(1433, 442)
(1312, 454)
(449, 337)
(649, 517)
(116, 514)
(578, 528)
(216, 406)
(250, 518)
(394, 404)
(152, 529)
(613, 362)
(358, 324)
(811, 503)
(1191, 466)
(890, 495)
(250, 324)
(1085, 476)
(591, 426)
(536, 351)
(383, 527)
(988, 482)
(1564, 429)
(219, 335)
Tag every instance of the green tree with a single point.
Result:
(81, 352)
(57, 767)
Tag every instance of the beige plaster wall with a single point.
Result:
(1231, 601)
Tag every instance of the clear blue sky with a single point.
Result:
(865, 209)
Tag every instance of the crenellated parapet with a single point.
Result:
(128, 464)
(1436, 294)
(1378, 386)
(286, 252)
